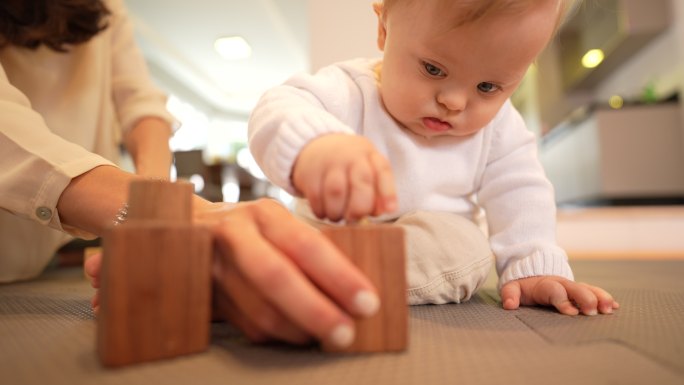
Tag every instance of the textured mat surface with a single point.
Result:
(47, 336)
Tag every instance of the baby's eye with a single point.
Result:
(433, 70)
(487, 87)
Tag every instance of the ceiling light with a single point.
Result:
(233, 48)
(592, 58)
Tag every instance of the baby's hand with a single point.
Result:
(567, 296)
(344, 176)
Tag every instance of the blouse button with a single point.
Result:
(43, 213)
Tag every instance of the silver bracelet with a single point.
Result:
(121, 215)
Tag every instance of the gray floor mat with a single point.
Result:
(47, 335)
(648, 323)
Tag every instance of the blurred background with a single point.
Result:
(603, 98)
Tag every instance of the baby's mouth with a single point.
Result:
(434, 124)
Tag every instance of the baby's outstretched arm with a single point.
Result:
(344, 177)
(567, 296)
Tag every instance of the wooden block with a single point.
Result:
(156, 280)
(379, 252)
(160, 200)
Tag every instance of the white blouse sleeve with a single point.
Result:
(134, 94)
(35, 164)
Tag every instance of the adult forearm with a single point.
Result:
(92, 200)
(148, 144)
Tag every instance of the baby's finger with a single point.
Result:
(385, 186)
(606, 302)
(554, 293)
(362, 192)
(582, 296)
(335, 190)
(315, 199)
(510, 295)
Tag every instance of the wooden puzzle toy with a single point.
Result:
(156, 281)
(379, 252)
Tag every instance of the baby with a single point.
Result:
(426, 137)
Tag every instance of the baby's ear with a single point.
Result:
(382, 30)
(377, 8)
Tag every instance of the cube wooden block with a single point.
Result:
(156, 279)
(379, 252)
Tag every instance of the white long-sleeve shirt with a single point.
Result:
(62, 114)
(498, 165)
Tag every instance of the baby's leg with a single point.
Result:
(448, 257)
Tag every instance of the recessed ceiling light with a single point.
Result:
(592, 58)
(233, 48)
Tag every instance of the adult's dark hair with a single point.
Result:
(55, 23)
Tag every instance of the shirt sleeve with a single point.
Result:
(35, 164)
(519, 203)
(134, 93)
(287, 117)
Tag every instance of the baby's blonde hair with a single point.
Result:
(473, 10)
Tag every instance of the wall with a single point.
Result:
(341, 30)
(659, 64)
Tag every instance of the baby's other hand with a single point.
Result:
(567, 296)
(344, 176)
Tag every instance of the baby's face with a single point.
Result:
(438, 80)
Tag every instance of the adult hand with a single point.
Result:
(567, 296)
(344, 176)
(277, 278)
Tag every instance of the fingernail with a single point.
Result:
(608, 310)
(591, 312)
(366, 303)
(342, 336)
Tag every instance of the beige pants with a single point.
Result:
(26, 247)
(448, 257)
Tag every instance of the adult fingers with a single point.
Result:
(224, 309)
(95, 302)
(321, 262)
(242, 304)
(92, 267)
(274, 276)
